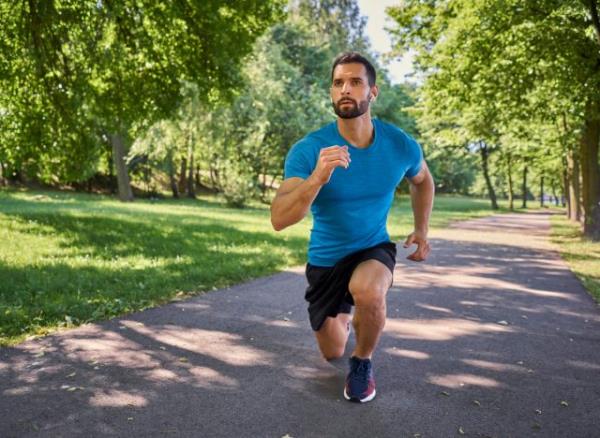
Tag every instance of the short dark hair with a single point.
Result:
(355, 57)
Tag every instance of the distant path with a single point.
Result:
(492, 335)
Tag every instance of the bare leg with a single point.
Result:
(369, 285)
(333, 335)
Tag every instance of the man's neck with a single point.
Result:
(358, 131)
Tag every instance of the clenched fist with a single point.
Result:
(329, 159)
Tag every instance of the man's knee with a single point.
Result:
(332, 353)
(367, 294)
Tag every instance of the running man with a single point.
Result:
(347, 173)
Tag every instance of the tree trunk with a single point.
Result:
(111, 173)
(524, 187)
(542, 191)
(197, 176)
(2, 173)
(191, 186)
(554, 195)
(511, 192)
(182, 175)
(118, 154)
(565, 185)
(590, 177)
(172, 179)
(484, 164)
(574, 186)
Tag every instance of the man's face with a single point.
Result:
(350, 90)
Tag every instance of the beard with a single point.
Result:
(357, 109)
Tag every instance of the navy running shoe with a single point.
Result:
(360, 383)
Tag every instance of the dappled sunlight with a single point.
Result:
(474, 278)
(223, 346)
(409, 354)
(584, 365)
(282, 323)
(440, 329)
(434, 308)
(209, 378)
(302, 372)
(23, 390)
(109, 348)
(116, 398)
(494, 366)
(455, 381)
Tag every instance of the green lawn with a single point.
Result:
(68, 258)
(581, 254)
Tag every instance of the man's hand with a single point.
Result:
(420, 239)
(329, 159)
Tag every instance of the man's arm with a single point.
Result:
(295, 195)
(422, 190)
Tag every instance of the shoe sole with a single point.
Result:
(364, 400)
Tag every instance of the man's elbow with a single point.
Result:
(277, 226)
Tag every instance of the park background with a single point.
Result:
(190, 107)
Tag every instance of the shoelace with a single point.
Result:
(361, 373)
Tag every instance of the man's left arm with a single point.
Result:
(422, 190)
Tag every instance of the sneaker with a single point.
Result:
(360, 383)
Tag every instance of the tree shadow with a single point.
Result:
(456, 352)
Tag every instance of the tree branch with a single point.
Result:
(595, 19)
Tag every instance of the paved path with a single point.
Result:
(493, 336)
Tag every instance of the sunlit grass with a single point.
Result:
(581, 254)
(69, 258)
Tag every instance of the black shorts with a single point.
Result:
(327, 292)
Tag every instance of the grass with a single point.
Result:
(68, 258)
(581, 254)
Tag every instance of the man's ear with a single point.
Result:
(374, 93)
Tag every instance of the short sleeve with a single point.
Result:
(415, 157)
(297, 162)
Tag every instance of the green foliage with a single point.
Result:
(516, 76)
(72, 72)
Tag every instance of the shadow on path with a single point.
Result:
(493, 335)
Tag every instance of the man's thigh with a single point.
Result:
(370, 275)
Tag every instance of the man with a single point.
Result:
(347, 173)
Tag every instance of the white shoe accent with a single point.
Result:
(364, 400)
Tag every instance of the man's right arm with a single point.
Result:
(293, 199)
(295, 195)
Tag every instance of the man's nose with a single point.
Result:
(346, 88)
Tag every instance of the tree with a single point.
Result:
(521, 62)
(114, 68)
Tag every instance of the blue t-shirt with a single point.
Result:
(350, 211)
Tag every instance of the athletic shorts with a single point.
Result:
(327, 293)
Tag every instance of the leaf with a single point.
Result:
(183, 359)
(564, 403)
(476, 403)
(72, 388)
(445, 393)
(461, 430)
(73, 374)
(503, 322)
(538, 411)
